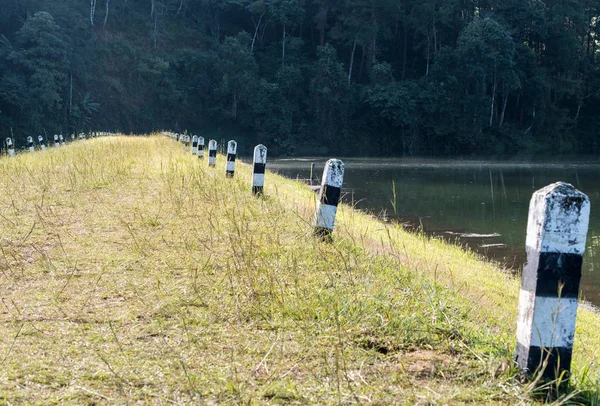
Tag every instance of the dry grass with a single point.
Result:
(130, 272)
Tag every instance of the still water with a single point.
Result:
(480, 204)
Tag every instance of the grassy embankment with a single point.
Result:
(129, 271)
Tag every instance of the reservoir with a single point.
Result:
(479, 204)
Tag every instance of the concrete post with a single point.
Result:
(10, 147)
(231, 154)
(62, 139)
(556, 236)
(212, 153)
(200, 147)
(259, 165)
(42, 142)
(30, 145)
(329, 197)
(56, 142)
(195, 144)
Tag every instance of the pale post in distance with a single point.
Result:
(259, 165)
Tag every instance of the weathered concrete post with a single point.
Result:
(56, 143)
(42, 142)
(62, 139)
(200, 147)
(212, 153)
(80, 136)
(231, 154)
(30, 145)
(556, 233)
(329, 197)
(188, 141)
(10, 147)
(259, 165)
(195, 144)
(72, 136)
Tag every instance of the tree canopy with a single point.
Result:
(394, 77)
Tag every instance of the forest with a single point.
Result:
(309, 77)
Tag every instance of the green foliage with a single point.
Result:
(308, 75)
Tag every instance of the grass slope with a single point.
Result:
(130, 272)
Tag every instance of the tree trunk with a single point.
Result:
(493, 102)
(256, 27)
(283, 48)
(428, 47)
(105, 16)
(71, 94)
(352, 60)
(503, 110)
(92, 11)
(404, 40)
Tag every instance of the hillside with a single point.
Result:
(131, 272)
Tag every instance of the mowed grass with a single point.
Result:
(130, 272)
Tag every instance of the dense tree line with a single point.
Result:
(349, 76)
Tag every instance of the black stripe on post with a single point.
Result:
(212, 153)
(331, 195)
(259, 168)
(558, 274)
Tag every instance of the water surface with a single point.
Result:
(480, 204)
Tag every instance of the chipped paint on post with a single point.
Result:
(212, 153)
(556, 236)
(329, 196)
(259, 165)
(231, 154)
(200, 147)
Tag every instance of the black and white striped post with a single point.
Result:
(56, 142)
(10, 147)
(200, 147)
(194, 144)
(62, 139)
(72, 136)
(556, 235)
(42, 142)
(329, 197)
(80, 136)
(212, 153)
(259, 165)
(231, 154)
(30, 145)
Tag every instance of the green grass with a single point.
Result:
(130, 272)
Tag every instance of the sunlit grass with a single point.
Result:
(131, 272)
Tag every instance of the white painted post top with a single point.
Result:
(195, 138)
(201, 140)
(40, 138)
(334, 173)
(558, 219)
(260, 154)
(8, 142)
(30, 139)
(212, 144)
(231, 147)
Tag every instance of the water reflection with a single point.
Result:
(481, 204)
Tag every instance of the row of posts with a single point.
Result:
(556, 238)
(59, 140)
